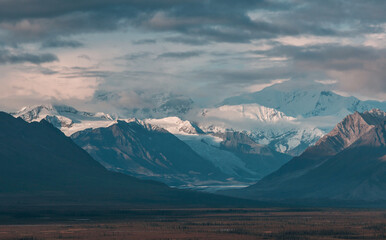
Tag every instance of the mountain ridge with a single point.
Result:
(314, 101)
(346, 164)
(43, 167)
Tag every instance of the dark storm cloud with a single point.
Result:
(59, 43)
(7, 57)
(211, 20)
(180, 55)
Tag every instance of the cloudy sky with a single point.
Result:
(69, 51)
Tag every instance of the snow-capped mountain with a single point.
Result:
(66, 118)
(40, 166)
(314, 100)
(289, 139)
(175, 125)
(246, 111)
(206, 145)
(211, 145)
(264, 125)
(178, 153)
(129, 146)
(286, 118)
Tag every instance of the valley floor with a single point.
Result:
(200, 224)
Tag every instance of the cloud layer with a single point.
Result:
(207, 49)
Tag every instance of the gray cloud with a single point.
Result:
(145, 41)
(84, 56)
(244, 77)
(7, 57)
(136, 56)
(86, 72)
(59, 43)
(220, 30)
(180, 55)
(47, 71)
(357, 68)
(333, 56)
(216, 20)
(187, 40)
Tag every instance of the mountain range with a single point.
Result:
(180, 154)
(174, 151)
(309, 101)
(147, 151)
(264, 125)
(283, 117)
(348, 164)
(234, 144)
(43, 167)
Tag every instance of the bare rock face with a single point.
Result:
(346, 164)
(355, 128)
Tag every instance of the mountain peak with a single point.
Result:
(373, 117)
(246, 112)
(357, 128)
(66, 118)
(310, 101)
(175, 125)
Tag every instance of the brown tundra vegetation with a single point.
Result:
(202, 224)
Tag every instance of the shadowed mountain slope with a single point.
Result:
(349, 163)
(40, 165)
(257, 157)
(147, 151)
